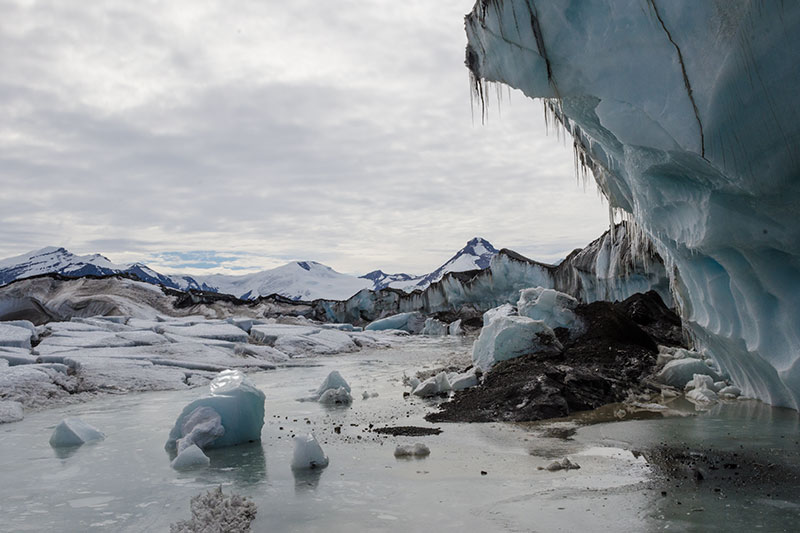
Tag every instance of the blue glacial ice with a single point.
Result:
(686, 114)
(74, 432)
(232, 413)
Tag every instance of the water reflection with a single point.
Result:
(306, 480)
(66, 452)
(244, 463)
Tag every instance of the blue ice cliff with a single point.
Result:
(686, 114)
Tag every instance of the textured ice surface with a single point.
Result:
(190, 457)
(691, 129)
(434, 385)
(550, 306)
(10, 412)
(214, 512)
(308, 453)
(507, 337)
(74, 432)
(15, 336)
(239, 404)
(200, 428)
(465, 380)
(295, 340)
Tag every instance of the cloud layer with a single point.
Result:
(260, 132)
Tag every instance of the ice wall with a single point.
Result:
(613, 267)
(687, 115)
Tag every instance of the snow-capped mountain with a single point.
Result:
(299, 280)
(476, 255)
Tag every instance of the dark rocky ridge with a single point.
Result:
(603, 365)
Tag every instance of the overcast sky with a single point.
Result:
(209, 135)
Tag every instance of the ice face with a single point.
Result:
(690, 127)
(507, 337)
(15, 336)
(74, 432)
(239, 406)
(434, 327)
(308, 453)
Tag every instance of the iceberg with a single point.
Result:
(74, 432)
(690, 129)
(237, 403)
(190, 457)
(334, 380)
(308, 453)
(334, 390)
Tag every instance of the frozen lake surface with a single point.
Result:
(125, 483)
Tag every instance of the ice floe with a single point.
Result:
(308, 453)
(74, 432)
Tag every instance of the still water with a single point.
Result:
(479, 477)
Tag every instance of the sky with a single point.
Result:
(209, 136)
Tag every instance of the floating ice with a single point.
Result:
(412, 450)
(200, 428)
(338, 396)
(239, 404)
(190, 457)
(308, 453)
(333, 381)
(74, 432)
(507, 337)
(550, 306)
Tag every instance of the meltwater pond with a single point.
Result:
(479, 477)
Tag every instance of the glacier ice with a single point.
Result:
(15, 336)
(190, 457)
(507, 337)
(333, 380)
(455, 329)
(465, 380)
(308, 453)
(237, 402)
(554, 308)
(200, 428)
(690, 128)
(434, 327)
(74, 432)
(340, 396)
(434, 385)
(678, 372)
(412, 322)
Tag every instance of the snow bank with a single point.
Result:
(74, 432)
(308, 453)
(237, 402)
(506, 337)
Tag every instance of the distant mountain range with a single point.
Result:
(298, 280)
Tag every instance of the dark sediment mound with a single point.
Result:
(603, 365)
(407, 431)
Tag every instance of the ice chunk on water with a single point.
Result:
(202, 427)
(308, 453)
(507, 337)
(338, 396)
(678, 372)
(551, 306)
(10, 412)
(412, 450)
(74, 432)
(333, 381)
(411, 322)
(190, 457)
(239, 404)
(15, 336)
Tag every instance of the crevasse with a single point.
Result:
(687, 115)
